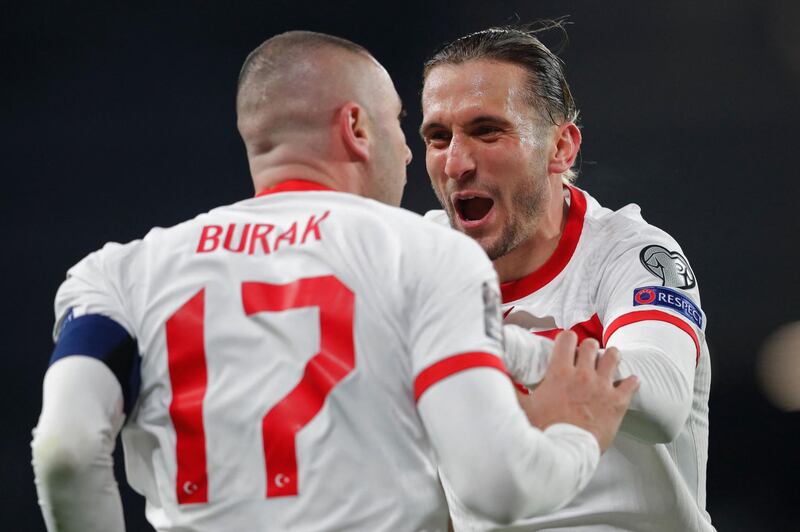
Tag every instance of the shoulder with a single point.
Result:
(431, 233)
(105, 259)
(437, 216)
(621, 240)
(107, 268)
(625, 221)
(612, 232)
(91, 287)
(437, 222)
(431, 249)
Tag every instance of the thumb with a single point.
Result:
(628, 386)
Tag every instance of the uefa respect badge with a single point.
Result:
(662, 296)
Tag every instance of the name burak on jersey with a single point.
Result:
(261, 238)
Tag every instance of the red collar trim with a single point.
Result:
(514, 290)
(293, 185)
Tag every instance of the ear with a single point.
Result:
(354, 131)
(566, 147)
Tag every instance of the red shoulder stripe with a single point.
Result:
(654, 315)
(451, 365)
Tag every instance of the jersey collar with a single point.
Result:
(514, 290)
(293, 185)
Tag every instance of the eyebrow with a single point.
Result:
(480, 119)
(424, 128)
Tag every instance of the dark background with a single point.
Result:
(116, 119)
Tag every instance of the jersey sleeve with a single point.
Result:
(92, 288)
(90, 385)
(92, 318)
(467, 404)
(72, 447)
(648, 278)
(455, 315)
(649, 305)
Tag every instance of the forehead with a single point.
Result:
(481, 84)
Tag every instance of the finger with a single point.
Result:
(563, 351)
(587, 354)
(608, 363)
(628, 386)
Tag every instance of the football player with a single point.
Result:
(499, 124)
(307, 358)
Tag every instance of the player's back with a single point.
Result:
(276, 376)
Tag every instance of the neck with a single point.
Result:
(533, 252)
(270, 169)
(273, 176)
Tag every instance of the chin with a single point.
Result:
(494, 254)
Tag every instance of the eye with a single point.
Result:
(438, 139)
(486, 131)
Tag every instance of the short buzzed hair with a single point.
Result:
(292, 82)
(547, 87)
(263, 59)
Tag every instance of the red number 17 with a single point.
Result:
(188, 376)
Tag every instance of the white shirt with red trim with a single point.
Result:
(303, 361)
(626, 283)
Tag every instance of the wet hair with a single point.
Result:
(548, 91)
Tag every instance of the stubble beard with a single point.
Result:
(528, 204)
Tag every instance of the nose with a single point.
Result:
(409, 156)
(459, 163)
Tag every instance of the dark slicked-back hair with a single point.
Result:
(548, 90)
(263, 58)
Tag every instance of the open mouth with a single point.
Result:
(473, 209)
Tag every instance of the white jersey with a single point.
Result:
(612, 269)
(283, 342)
